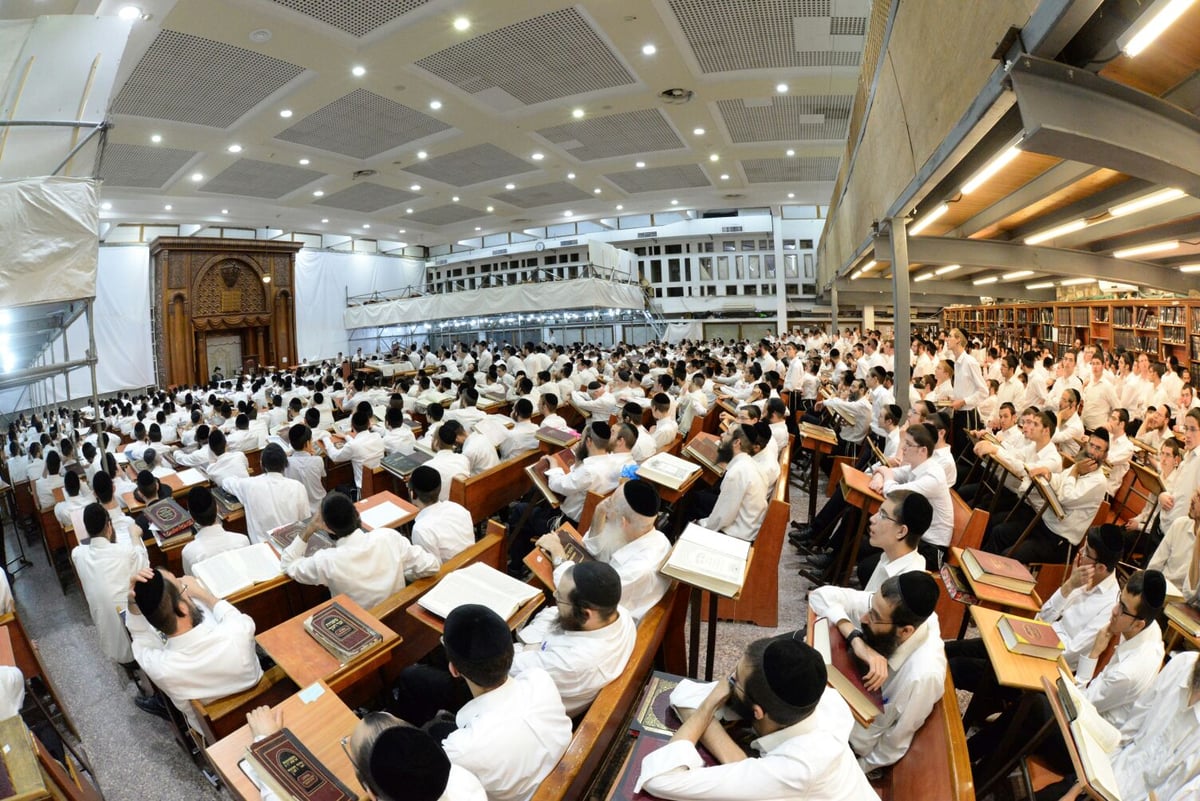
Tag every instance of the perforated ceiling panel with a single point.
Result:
(766, 171)
(545, 195)
(260, 179)
(655, 178)
(643, 131)
(544, 58)
(445, 215)
(355, 17)
(731, 35)
(191, 79)
(141, 165)
(362, 124)
(366, 197)
(787, 118)
(472, 165)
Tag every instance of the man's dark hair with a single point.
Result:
(273, 460)
(216, 442)
(299, 435)
(914, 511)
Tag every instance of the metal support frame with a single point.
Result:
(956, 291)
(833, 310)
(1019, 256)
(901, 311)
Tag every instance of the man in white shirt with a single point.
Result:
(970, 390)
(74, 499)
(1037, 451)
(522, 437)
(105, 568)
(270, 499)
(900, 643)
(368, 566)
(45, 486)
(1120, 449)
(305, 466)
(1069, 433)
(362, 448)
(211, 537)
(645, 446)
(1099, 397)
(801, 746)
(896, 530)
(443, 528)
(446, 457)
(190, 643)
(548, 407)
(741, 505)
(919, 472)
(225, 463)
(665, 427)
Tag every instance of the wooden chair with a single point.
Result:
(969, 526)
(607, 718)
(590, 503)
(221, 717)
(485, 494)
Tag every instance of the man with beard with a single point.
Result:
(801, 728)
(742, 503)
(900, 643)
(188, 652)
(623, 534)
(585, 639)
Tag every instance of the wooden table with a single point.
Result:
(819, 447)
(408, 511)
(672, 495)
(856, 490)
(306, 661)
(1176, 633)
(319, 723)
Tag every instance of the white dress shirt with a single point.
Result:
(581, 663)
(449, 464)
(599, 474)
(742, 503)
(480, 453)
(1079, 616)
(444, 529)
(1173, 556)
(928, 479)
(1127, 675)
(521, 439)
(230, 464)
(309, 470)
(368, 566)
(208, 542)
(1066, 436)
(969, 386)
(886, 568)
(399, 440)
(1080, 497)
(104, 569)
(1120, 451)
(859, 414)
(1099, 399)
(915, 682)
(1185, 484)
(364, 448)
(664, 432)
(511, 737)
(270, 500)
(637, 563)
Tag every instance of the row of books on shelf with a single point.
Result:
(1128, 340)
(1173, 335)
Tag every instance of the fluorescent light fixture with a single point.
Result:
(949, 268)
(781, 88)
(422, 155)
(923, 277)
(568, 213)
(923, 223)
(197, 177)
(991, 168)
(415, 187)
(366, 225)
(491, 209)
(674, 202)
(1190, 268)
(1151, 25)
(991, 279)
(1041, 285)
(168, 207)
(537, 156)
(510, 187)
(156, 138)
(478, 228)
(790, 152)
(224, 211)
(724, 176)
(570, 176)
(129, 12)
(454, 199)
(596, 191)
(714, 157)
(1057, 231)
(106, 206)
(324, 219)
(1147, 201)
(641, 165)
(871, 265)
(1018, 274)
(408, 211)
(620, 207)
(1142, 250)
(854, 275)
(1077, 282)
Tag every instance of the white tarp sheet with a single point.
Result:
(48, 240)
(677, 332)
(581, 293)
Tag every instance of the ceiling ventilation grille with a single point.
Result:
(645, 131)
(141, 165)
(471, 165)
(791, 118)
(362, 124)
(656, 178)
(355, 17)
(260, 179)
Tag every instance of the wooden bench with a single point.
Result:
(486, 493)
(969, 526)
(223, 716)
(936, 766)
(417, 639)
(607, 719)
(29, 660)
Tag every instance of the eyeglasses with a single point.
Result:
(1124, 612)
(885, 516)
(345, 741)
(733, 685)
(875, 619)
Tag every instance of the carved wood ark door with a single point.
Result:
(222, 289)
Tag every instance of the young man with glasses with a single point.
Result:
(898, 638)
(920, 473)
(778, 687)
(1178, 555)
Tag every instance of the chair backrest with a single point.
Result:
(223, 716)
(494, 489)
(590, 503)
(969, 523)
(936, 766)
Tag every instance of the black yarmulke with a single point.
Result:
(473, 632)
(426, 479)
(919, 592)
(406, 762)
(149, 594)
(602, 429)
(642, 497)
(794, 671)
(597, 583)
(95, 518)
(1154, 589)
(200, 501)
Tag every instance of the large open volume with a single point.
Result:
(667, 470)
(237, 569)
(708, 559)
(478, 583)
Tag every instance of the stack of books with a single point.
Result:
(402, 465)
(170, 523)
(227, 503)
(340, 633)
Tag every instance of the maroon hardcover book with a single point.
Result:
(285, 764)
(333, 626)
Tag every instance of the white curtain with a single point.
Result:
(677, 332)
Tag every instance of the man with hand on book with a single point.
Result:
(270, 499)
(191, 644)
(900, 642)
(584, 640)
(368, 566)
(105, 568)
(211, 537)
(778, 686)
(443, 528)
(362, 447)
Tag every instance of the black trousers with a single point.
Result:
(421, 691)
(964, 420)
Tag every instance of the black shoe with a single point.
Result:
(815, 576)
(821, 561)
(152, 704)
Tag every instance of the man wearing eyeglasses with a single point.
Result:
(778, 686)
(898, 638)
(1172, 503)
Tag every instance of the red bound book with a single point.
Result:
(997, 570)
(290, 769)
(846, 673)
(340, 632)
(1030, 637)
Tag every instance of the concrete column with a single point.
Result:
(902, 311)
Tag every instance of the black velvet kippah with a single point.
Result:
(1154, 589)
(200, 500)
(602, 429)
(406, 762)
(642, 497)
(794, 671)
(426, 479)
(474, 632)
(919, 592)
(149, 594)
(597, 583)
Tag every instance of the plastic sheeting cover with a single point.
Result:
(581, 293)
(49, 240)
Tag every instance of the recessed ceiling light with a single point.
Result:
(197, 177)
(366, 225)
(724, 176)
(537, 156)
(790, 152)
(649, 50)
(408, 211)
(358, 70)
(596, 191)
(285, 113)
(304, 162)
(461, 23)
(234, 148)
(266, 279)
(106, 205)
(570, 176)
(791, 195)
(415, 187)
(402, 230)
(491, 209)
(714, 157)
(577, 113)
(781, 88)
(478, 228)
(156, 138)
(698, 131)
(674, 202)
(129, 12)
(640, 165)
(324, 219)
(435, 104)
(224, 211)
(568, 213)
(620, 207)
(422, 155)
(454, 199)
(510, 187)
(318, 193)
(168, 207)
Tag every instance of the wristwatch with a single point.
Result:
(852, 636)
